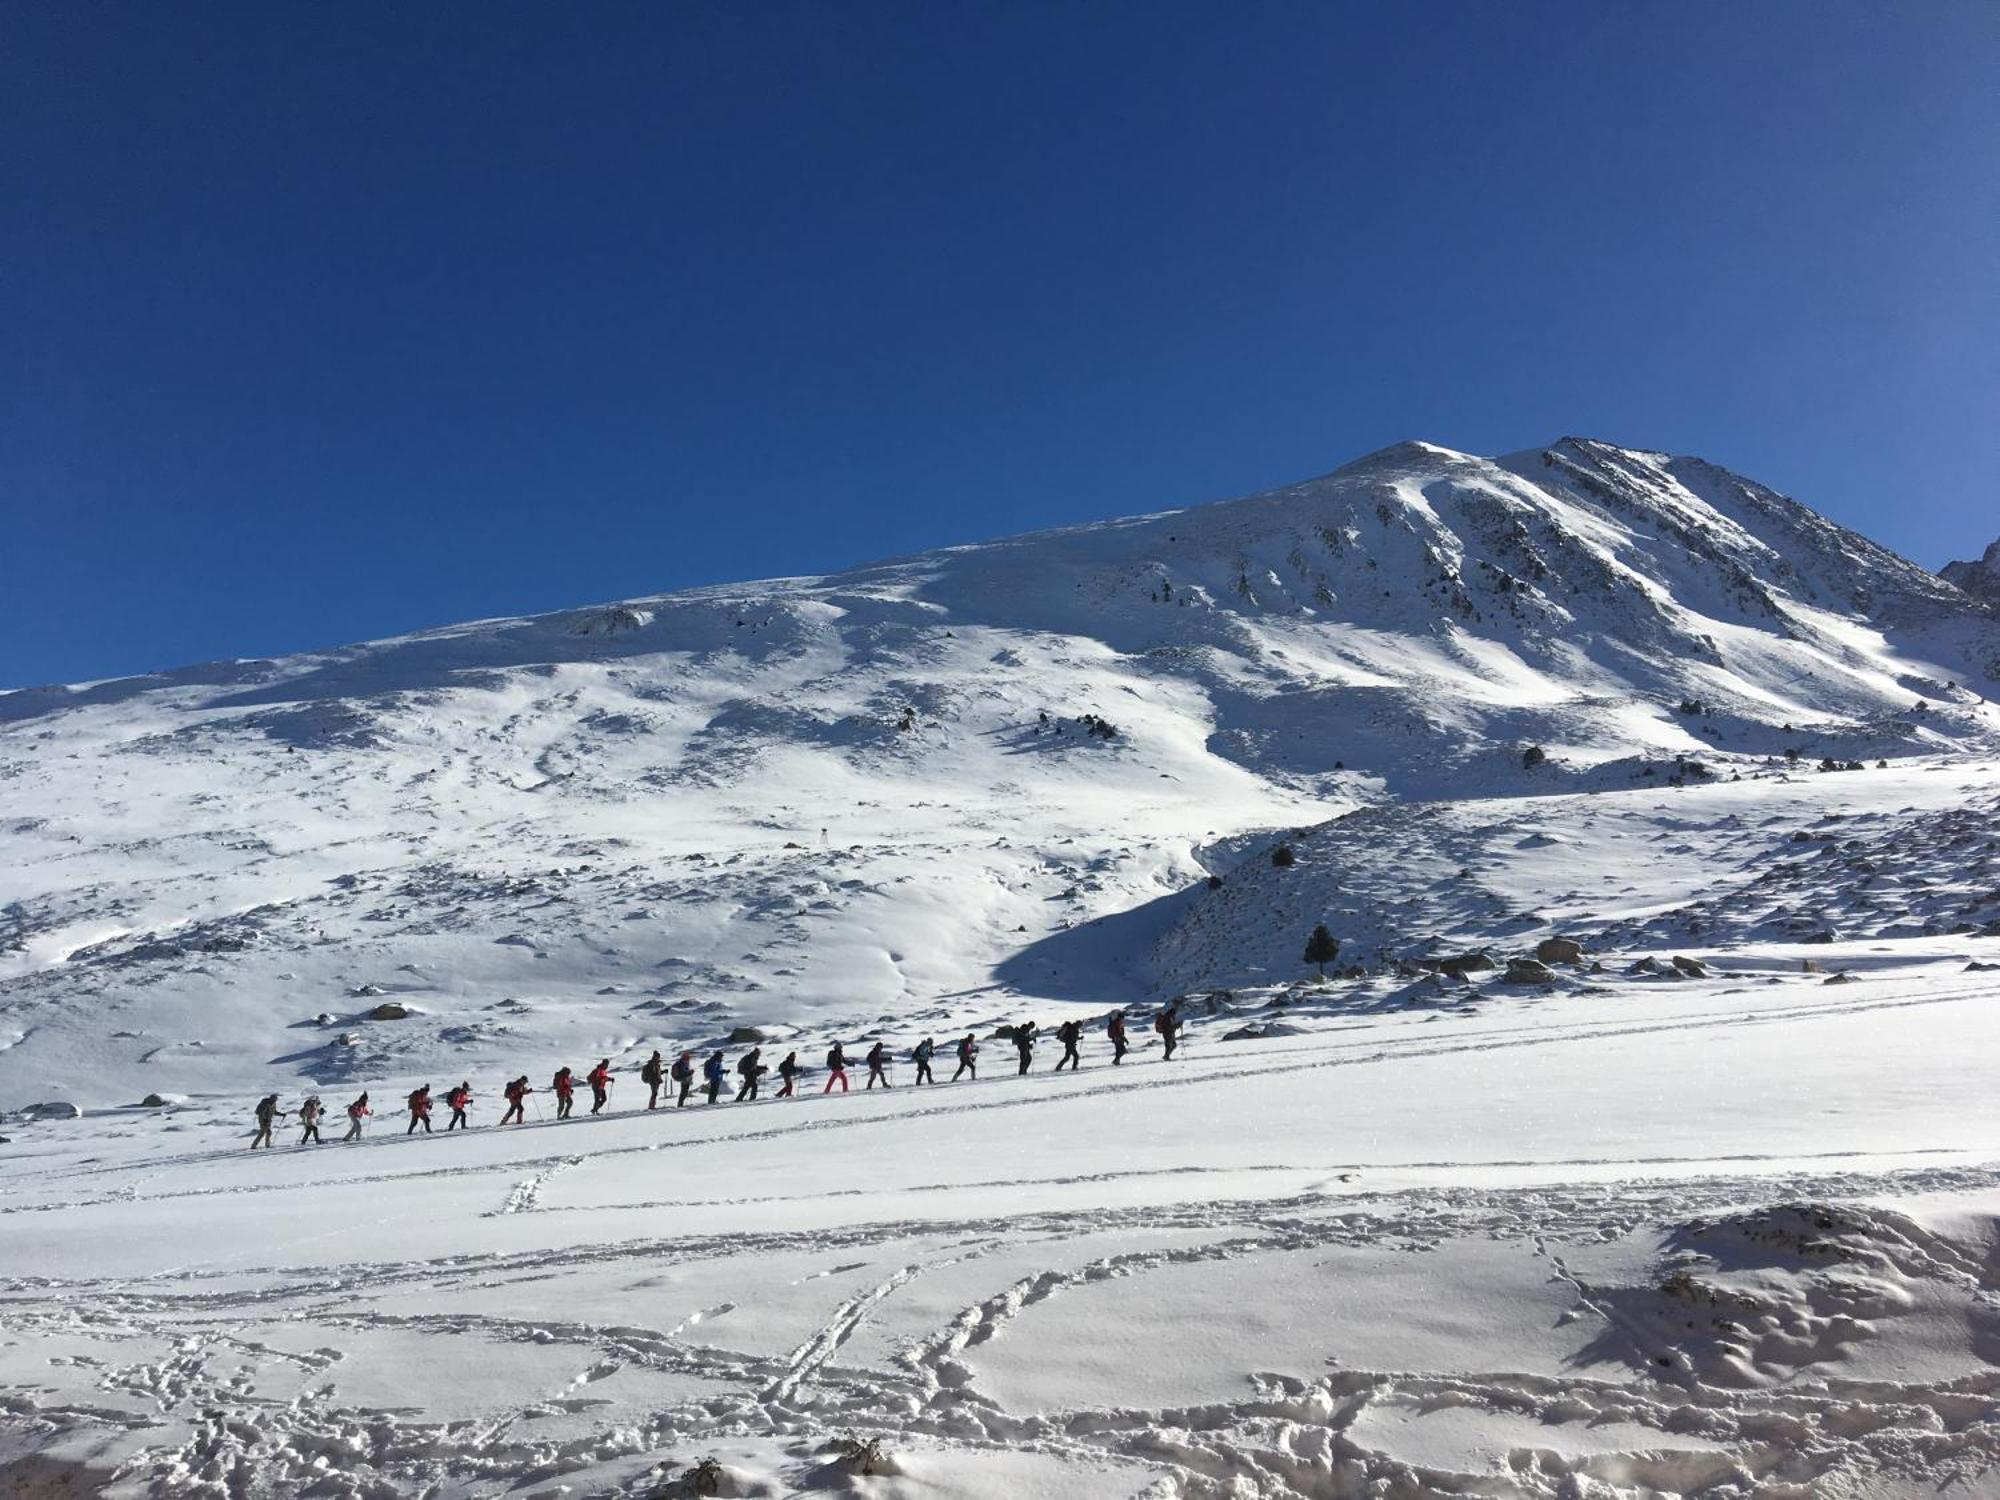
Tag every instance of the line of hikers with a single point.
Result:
(679, 1077)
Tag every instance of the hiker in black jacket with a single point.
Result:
(789, 1071)
(653, 1074)
(878, 1055)
(750, 1069)
(1024, 1045)
(968, 1058)
(1069, 1034)
(268, 1115)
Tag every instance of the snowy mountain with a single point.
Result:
(843, 798)
(1637, 1143)
(1980, 579)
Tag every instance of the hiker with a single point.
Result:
(836, 1070)
(712, 1071)
(309, 1117)
(600, 1084)
(517, 1101)
(1069, 1034)
(1115, 1029)
(683, 1074)
(878, 1055)
(267, 1116)
(921, 1056)
(968, 1058)
(356, 1113)
(564, 1084)
(420, 1110)
(789, 1071)
(460, 1099)
(653, 1074)
(1024, 1044)
(750, 1069)
(1168, 1023)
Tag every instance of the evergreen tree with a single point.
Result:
(1322, 948)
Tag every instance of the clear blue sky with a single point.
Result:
(321, 322)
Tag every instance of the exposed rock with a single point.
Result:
(1528, 971)
(750, 1036)
(1838, 979)
(54, 1109)
(153, 1101)
(1255, 1033)
(1646, 965)
(1694, 968)
(365, 991)
(389, 1010)
(1559, 950)
(1465, 963)
(1811, 966)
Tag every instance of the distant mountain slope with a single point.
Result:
(872, 794)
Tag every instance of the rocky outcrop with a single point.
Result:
(1980, 579)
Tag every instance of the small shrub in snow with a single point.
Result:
(1283, 857)
(1533, 756)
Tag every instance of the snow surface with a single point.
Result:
(1725, 1229)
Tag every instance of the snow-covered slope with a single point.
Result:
(852, 797)
(1706, 1207)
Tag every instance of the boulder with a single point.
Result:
(1559, 950)
(54, 1109)
(1646, 965)
(1528, 971)
(1838, 979)
(324, 1018)
(389, 1010)
(749, 1036)
(152, 1101)
(1694, 968)
(1465, 963)
(1811, 966)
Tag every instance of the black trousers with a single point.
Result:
(653, 1096)
(457, 1119)
(687, 1087)
(564, 1103)
(714, 1089)
(1026, 1058)
(263, 1136)
(966, 1065)
(311, 1134)
(924, 1071)
(416, 1120)
(1118, 1050)
(518, 1110)
(748, 1089)
(597, 1098)
(875, 1077)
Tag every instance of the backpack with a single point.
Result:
(651, 1072)
(420, 1099)
(835, 1059)
(682, 1070)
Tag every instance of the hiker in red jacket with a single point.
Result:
(420, 1110)
(459, 1098)
(600, 1084)
(517, 1101)
(356, 1113)
(565, 1087)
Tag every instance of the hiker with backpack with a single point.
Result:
(268, 1114)
(356, 1113)
(600, 1084)
(564, 1084)
(420, 1110)
(517, 1101)
(1069, 1034)
(836, 1069)
(653, 1074)
(921, 1056)
(309, 1117)
(683, 1075)
(878, 1057)
(460, 1100)
(968, 1058)
(1168, 1023)
(789, 1071)
(1115, 1029)
(750, 1070)
(712, 1072)
(1024, 1045)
